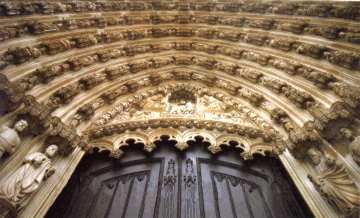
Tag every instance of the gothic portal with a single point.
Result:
(225, 108)
(170, 183)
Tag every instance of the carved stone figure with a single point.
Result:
(76, 63)
(85, 41)
(41, 28)
(350, 94)
(321, 79)
(12, 94)
(301, 138)
(106, 55)
(253, 97)
(294, 27)
(265, 24)
(109, 37)
(249, 74)
(289, 67)
(48, 73)
(353, 37)
(10, 8)
(314, 51)
(273, 84)
(256, 57)
(256, 39)
(89, 82)
(282, 44)
(10, 32)
(20, 55)
(229, 35)
(10, 139)
(314, 155)
(355, 149)
(210, 49)
(114, 72)
(300, 98)
(64, 95)
(17, 189)
(56, 46)
(330, 32)
(343, 59)
(336, 185)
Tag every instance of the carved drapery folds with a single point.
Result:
(337, 186)
(17, 188)
(10, 137)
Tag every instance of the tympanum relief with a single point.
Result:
(182, 103)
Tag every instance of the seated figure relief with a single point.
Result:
(9, 137)
(17, 189)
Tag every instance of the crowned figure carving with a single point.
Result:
(9, 137)
(17, 189)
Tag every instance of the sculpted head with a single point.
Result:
(346, 133)
(51, 150)
(330, 160)
(21, 125)
(314, 155)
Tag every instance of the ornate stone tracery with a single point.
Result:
(107, 75)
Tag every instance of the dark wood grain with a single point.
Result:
(170, 184)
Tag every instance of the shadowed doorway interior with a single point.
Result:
(169, 184)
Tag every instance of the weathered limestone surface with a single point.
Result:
(282, 74)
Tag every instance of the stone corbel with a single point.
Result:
(63, 135)
(35, 114)
(330, 121)
(301, 139)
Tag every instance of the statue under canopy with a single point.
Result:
(9, 138)
(18, 187)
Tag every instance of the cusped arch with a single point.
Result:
(125, 139)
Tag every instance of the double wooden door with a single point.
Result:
(170, 184)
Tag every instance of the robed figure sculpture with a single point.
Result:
(18, 187)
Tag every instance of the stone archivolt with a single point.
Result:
(346, 59)
(222, 73)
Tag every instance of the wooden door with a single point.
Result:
(170, 184)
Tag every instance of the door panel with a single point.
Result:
(170, 184)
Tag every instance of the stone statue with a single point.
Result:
(17, 188)
(314, 155)
(335, 184)
(355, 149)
(9, 138)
